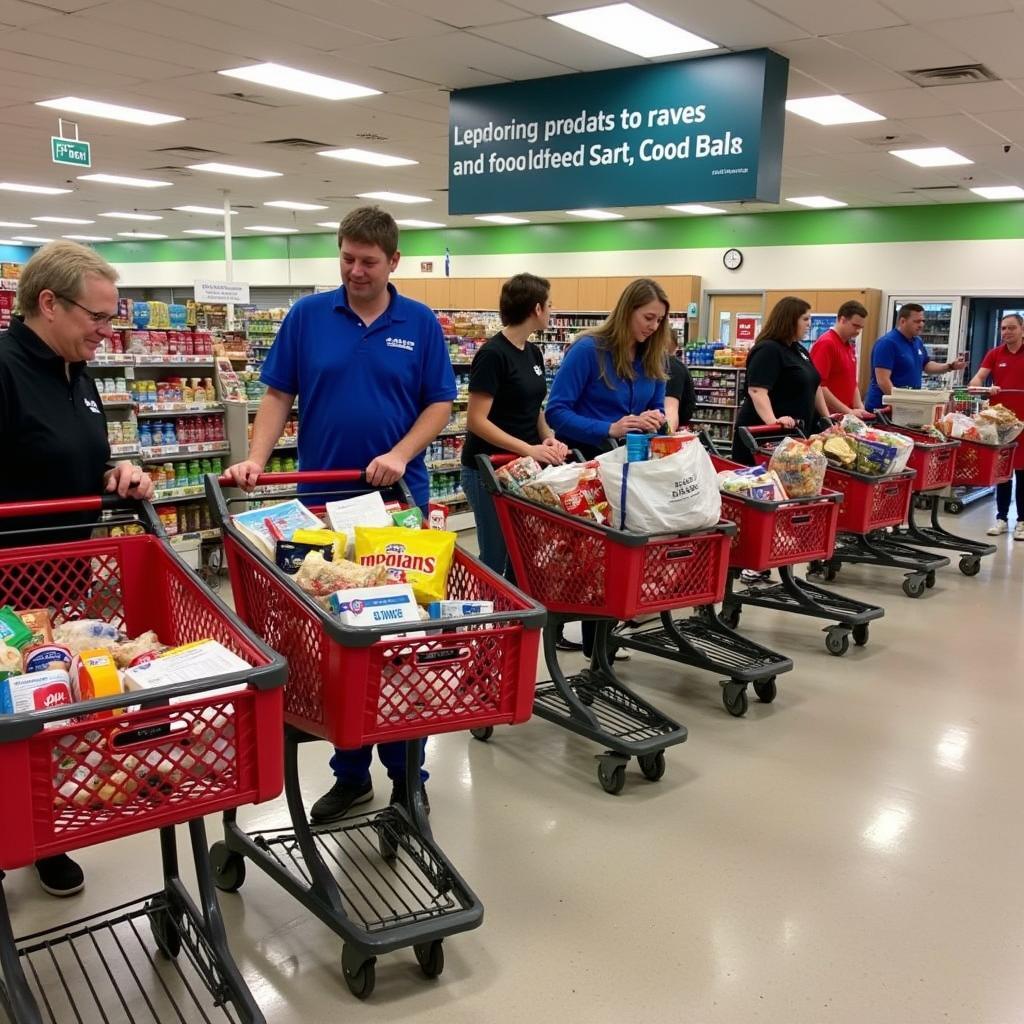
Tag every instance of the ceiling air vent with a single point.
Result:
(189, 150)
(371, 137)
(930, 190)
(957, 74)
(254, 98)
(296, 143)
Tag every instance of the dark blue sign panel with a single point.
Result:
(688, 131)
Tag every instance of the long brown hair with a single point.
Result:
(783, 321)
(615, 337)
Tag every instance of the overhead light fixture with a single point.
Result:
(9, 241)
(630, 28)
(335, 224)
(121, 179)
(61, 220)
(213, 211)
(271, 230)
(393, 197)
(934, 156)
(38, 190)
(235, 170)
(33, 239)
(118, 215)
(999, 192)
(88, 238)
(833, 109)
(696, 208)
(209, 232)
(410, 222)
(15, 224)
(500, 218)
(364, 156)
(595, 214)
(288, 204)
(280, 76)
(94, 108)
(138, 234)
(815, 202)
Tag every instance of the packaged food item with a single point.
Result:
(289, 554)
(38, 620)
(362, 510)
(43, 657)
(1008, 426)
(10, 661)
(959, 427)
(13, 630)
(799, 467)
(320, 578)
(665, 444)
(514, 474)
(265, 526)
(409, 518)
(757, 482)
(203, 659)
(459, 609)
(544, 493)
(880, 453)
(638, 447)
(839, 450)
(146, 645)
(438, 516)
(375, 606)
(94, 674)
(85, 633)
(34, 691)
(421, 558)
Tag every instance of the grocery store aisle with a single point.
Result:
(847, 854)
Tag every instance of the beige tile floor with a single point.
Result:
(848, 854)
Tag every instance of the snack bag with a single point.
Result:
(841, 450)
(757, 482)
(852, 424)
(320, 578)
(515, 474)
(800, 466)
(421, 558)
(875, 456)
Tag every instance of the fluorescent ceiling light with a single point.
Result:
(88, 238)
(288, 204)
(271, 230)
(935, 156)
(696, 208)
(33, 239)
(815, 202)
(832, 110)
(120, 179)
(9, 241)
(210, 232)
(94, 108)
(214, 211)
(39, 190)
(138, 234)
(412, 223)
(15, 224)
(630, 28)
(118, 215)
(595, 214)
(394, 197)
(500, 218)
(999, 192)
(364, 156)
(234, 169)
(62, 220)
(279, 76)
(335, 224)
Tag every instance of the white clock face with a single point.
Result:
(733, 259)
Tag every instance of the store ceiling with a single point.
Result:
(164, 56)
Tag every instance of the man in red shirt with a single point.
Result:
(835, 358)
(1005, 365)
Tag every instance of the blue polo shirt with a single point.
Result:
(906, 359)
(360, 388)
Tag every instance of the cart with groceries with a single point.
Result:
(132, 700)
(408, 637)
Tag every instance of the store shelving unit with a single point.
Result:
(719, 394)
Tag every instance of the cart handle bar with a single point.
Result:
(770, 428)
(326, 476)
(62, 506)
(868, 417)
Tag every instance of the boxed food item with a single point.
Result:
(38, 620)
(459, 609)
(800, 466)
(35, 691)
(421, 558)
(94, 674)
(289, 554)
(375, 606)
(13, 630)
(266, 526)
(757, 482)
(337, 540)
(666, 444)
(204, 659)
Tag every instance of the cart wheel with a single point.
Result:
(837, 642)
(830, 570)
(929, 580)
(970, 565)
(860, 635)
(652, 765)
(612, 779)
(362, 979)
(430, 957)
(165, 930)
(228, 867)
(734, 697)
(913, 586)
(387, 849)
(766, 690)
(483, 734)
(954, 508)
(730, 616)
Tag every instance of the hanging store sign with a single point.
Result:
(74, 152)
(223, 292)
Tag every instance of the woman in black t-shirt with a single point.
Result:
(680, 394)
(782, 384)
(506, 392)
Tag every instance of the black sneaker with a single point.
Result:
(339, 800)
(400, 795)
(60, 875)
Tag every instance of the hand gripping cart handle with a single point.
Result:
(391, 884)
(128, 763)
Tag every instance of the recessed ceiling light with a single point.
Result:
(696, 208)
(39, 190)
(500, 218)
(9, 241)
(118, 215)
(62, 220)
(15, 224)
(832, 110)
(630, 28)
(999, 192)
(120, 179)
(364, 156)
(410, 222)
(288, 204)
(271, 230)
(279, 76)
(394, 197)
(934, 156)
(815, 202)
(335, 224)
(94, 108)
(33, 239)
(234, 169)
(88, 238)
(209, 232)
(138, 234)
(214, 211)
(595, 214)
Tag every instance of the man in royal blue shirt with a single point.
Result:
(375, 387)
(899, 358)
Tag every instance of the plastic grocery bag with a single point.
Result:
(678, 492)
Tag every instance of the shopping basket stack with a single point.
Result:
(391, 885)
(128, 764)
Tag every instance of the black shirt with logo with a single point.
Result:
(515, 379)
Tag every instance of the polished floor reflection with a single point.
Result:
(847, 854)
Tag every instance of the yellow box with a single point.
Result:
(333, 537)
(94, 674)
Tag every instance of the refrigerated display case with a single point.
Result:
(943, 333)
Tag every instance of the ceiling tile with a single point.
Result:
(730, 23)
(1008, 123)
(371, 18)
(904, 49)
(996, 40)
(953, 130)
(836, 67)
(928, 11)
(464, 13)
(910, 101)
(980, 97)
(823, 19)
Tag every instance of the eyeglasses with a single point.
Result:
(99, 319)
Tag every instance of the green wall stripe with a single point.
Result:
(962, 222)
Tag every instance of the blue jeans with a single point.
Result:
(353, 766)
(493, 552)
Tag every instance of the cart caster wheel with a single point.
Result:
(730, 616)
(228, 867)
(585, 695)
(734, 697)
(484, 734)
(652, 765)
(766, 690)
(387, 849)
(612, 779)
(954, 508)
(970, 566)
(830, 571)
(361, 979)
(430, 957)
(165, 930)
(860, 635)
(929, 580)
(913, 586)
(837, 642)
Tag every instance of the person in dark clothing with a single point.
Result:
(680, 395)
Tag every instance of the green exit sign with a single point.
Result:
(70, 151)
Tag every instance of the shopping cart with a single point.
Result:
(871, 506)
(149, 760)
(779, 535)
(388, 885)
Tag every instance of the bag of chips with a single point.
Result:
(421, 558)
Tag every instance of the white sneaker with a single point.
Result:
(1000, 526)
(1018, 532)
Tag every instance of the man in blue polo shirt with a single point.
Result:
(899, 358)
(375, 387)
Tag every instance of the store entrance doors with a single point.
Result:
(734, 317)
(983, 327)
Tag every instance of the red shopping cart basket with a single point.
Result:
(983, 465)
(355, 686)
(932, 460)
(146, 759)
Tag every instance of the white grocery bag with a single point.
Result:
(678, 492)
(560, 479)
